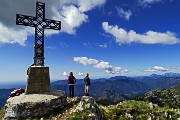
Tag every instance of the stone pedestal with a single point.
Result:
(27, 106)
(38, 80)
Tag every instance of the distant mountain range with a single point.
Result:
(114, 89)
(4, 93)
(127, 86)
(155, 81)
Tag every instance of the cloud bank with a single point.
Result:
(100, 64)
(156, 69)
(151, 37)
(71, 13)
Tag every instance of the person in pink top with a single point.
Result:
(71, 81)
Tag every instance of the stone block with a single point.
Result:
(38, 80)
(27, 106)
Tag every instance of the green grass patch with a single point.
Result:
(1, 113)
(79, 115)
(139, 110)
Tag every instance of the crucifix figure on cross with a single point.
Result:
(40, 23)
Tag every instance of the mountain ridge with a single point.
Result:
(163, 97)
(86, 108)
(123, 86)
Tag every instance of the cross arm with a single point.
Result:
(25, 20)
(52, 24)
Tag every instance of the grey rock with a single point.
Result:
(89, 103)
(34, 105)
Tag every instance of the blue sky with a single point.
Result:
(102, 37)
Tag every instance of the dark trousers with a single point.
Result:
(71, 91)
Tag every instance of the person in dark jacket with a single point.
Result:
(71, 80)
(87, 84)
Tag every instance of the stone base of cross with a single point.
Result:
(38, 80)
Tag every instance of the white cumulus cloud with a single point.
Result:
(71, 17)
(65, 74)
(100, 64)
(86, 5)
(151, 37)
(86, 61)
(71, 13)
(9, 35)
(156, 69)
(124, 14)
(81, 74)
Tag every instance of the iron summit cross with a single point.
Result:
(40, 23)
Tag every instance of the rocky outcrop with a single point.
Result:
(34, 105)
(59, 107)
(87, 109)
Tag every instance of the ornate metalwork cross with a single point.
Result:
(40, 23)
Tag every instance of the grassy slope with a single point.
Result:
(163, 97)
(139, 110)
(125, 110)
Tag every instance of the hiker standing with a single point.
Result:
(87, 84)
(71, 80)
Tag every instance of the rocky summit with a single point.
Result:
(34, 105)
(59, 107)
(78, 108)
(88, 108)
